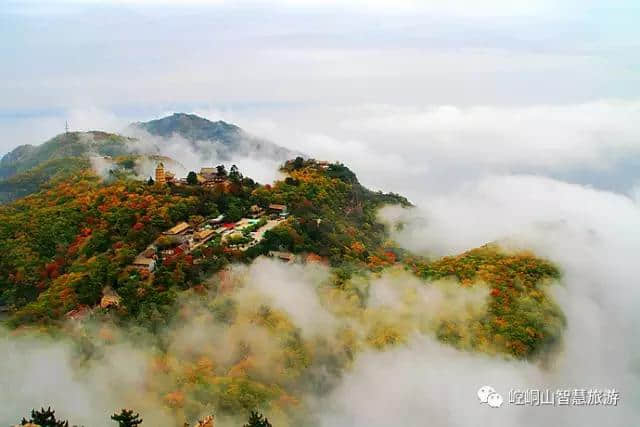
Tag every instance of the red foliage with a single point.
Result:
(67, 293)
(52, 270)
(138, 226)
(311, 258)
(390, 256)
(200, 289)
(306, 204)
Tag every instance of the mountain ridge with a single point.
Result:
(69, 144)
(190, 126)
(218, 139)
(27, 167)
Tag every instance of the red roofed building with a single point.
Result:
(315, 258)
(78, 313)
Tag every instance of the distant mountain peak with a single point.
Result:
(222, 140)
(191, 127)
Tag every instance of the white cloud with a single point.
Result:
(455, 7)
(292, 288)
(594, 237)
(428, 150)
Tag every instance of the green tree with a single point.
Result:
(126, 418)
(128, 164)
(291, 181)
(298, 163)
(150, 181)
(221, 170)
(45, 418)
(235, 210)
(192, 178)
(234, 174)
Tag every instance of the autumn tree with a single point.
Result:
(126, 418)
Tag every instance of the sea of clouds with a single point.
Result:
(559, 180)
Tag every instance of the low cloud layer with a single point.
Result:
(40, 372)
(422, 379)
(501, 121)
(528, 177)
(424, 151)
(592, 235)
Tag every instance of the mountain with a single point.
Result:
(66, 145)
(218, 139)
(193, 128)
(28, 167)
(213, 318)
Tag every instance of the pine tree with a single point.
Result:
(150, 181)
(126, 418)
(234, 174)
(192, 178)
(45, 418)
(257, 420)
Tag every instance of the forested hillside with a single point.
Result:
(67, 266)
(64, 146)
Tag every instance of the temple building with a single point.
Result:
(160, 175)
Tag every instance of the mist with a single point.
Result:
(476, 176)
(254, 162)
(505, 122)
(592, 235)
